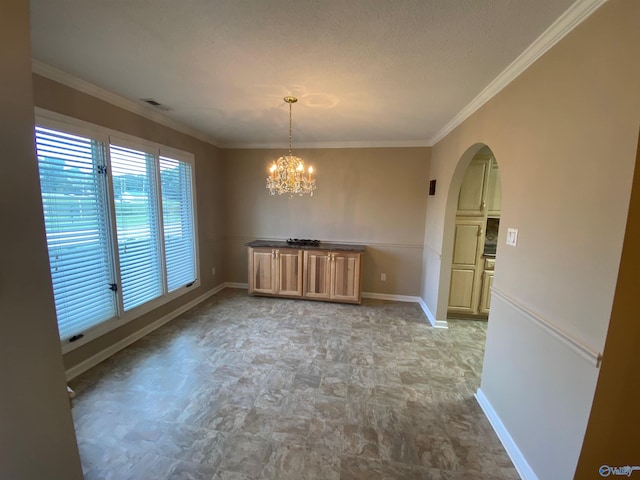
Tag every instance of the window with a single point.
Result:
(76, 222)
(177, 218)
(135, 194)
(120, 222)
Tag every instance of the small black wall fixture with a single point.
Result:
(432, 187)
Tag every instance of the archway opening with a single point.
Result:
(476, 201)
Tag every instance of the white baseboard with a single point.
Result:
(236, 285)
(125, 342)
(519, 462)
(387, 296)
(407, 298)
(432, 319)
(211, 292)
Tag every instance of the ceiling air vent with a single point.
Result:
(154, 103)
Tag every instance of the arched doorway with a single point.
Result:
(474, 226)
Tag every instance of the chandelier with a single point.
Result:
(287, 174)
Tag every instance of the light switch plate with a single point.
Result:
(512, 236)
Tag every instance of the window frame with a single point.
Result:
(55, 121)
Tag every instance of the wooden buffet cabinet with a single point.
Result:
(329, 271)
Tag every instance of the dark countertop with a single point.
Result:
(344, 247)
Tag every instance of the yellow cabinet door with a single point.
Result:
(494, 191)
(289, 263)
(262, 270)
(467, 243)
(466, 269)
(461, 290)
(471, 200)
(317, 281)
(485, 297)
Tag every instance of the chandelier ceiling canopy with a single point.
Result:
(287, 174)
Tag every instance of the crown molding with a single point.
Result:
(574, 16)
(132, 106)
(360, 144)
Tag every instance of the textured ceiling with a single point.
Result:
(366, 72)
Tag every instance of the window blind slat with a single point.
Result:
(77, 297)
(86, 304)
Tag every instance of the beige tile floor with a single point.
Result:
(245, 388)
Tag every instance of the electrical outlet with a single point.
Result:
(213, 271)
(512, 237)
(383, 277)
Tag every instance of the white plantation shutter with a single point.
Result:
(178, 222)
(73, 184)
(135, 193)
(120, 224)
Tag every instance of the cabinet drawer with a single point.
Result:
(489, 263)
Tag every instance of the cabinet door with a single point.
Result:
(467, 243)
(471, 200)
(289, 272)
(485, 297)
(262, 270)
(461, 290)
(317, 281)
(467, 267)
(494, 191)
(345, 277)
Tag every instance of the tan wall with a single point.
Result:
(564, 134)
(374, 196)
(59, 98)
(612, 433)
(37, 439)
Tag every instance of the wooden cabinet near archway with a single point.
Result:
(475, 238)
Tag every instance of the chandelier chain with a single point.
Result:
(290, 103)
(287, 174)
